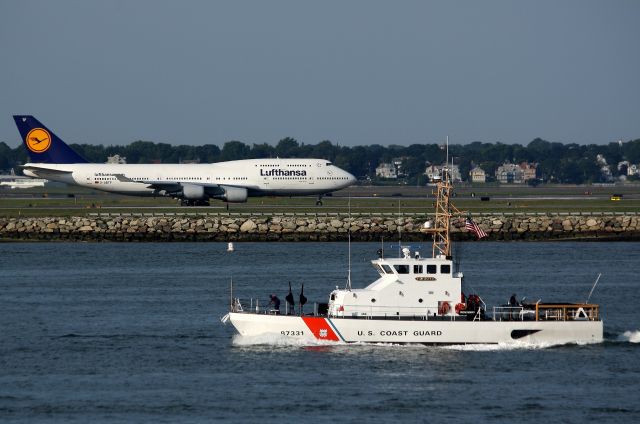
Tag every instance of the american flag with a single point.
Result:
(474, 228)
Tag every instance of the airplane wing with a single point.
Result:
(173, 186)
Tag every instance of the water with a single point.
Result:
(131, 333)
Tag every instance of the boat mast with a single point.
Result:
(441, 237)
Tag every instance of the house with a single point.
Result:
(509, 173)
(478, 175)
(386, 170)
(434, 172)
(116, 159)
(528, 171)
(517, 174)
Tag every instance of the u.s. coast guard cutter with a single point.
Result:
(420, 300)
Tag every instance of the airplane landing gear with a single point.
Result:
(319, 201)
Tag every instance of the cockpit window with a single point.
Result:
(328, 164)
(402, 269)
(387, 269)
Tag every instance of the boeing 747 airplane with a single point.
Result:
(193, 184)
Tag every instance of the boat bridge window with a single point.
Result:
(378, 268)
(431, 269)
(387, 269)
(402, 269)
(445, 269)
(417, 269)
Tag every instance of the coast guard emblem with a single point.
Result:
(323, 332)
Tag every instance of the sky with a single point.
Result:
(353, 72)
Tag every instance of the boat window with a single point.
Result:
(333, 296)
(417, 269)
(431, 269)
(379, 268)
(445, 269)
(387, 269)
(402, 269)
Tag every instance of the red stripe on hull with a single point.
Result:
(320, 328)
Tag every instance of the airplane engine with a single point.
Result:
(193, 192)
(233, 194)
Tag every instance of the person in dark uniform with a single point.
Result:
(275, 302)
(513, 302)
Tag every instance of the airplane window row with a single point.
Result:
(231, 178)
(289, 178)
(332, 178)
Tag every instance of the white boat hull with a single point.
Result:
(417, 331)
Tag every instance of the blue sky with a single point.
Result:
(353, 72)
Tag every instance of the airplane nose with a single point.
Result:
(351, 179)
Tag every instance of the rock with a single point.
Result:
(248, 226)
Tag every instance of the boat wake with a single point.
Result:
(630, 336)
(273, 339)
(499, 347)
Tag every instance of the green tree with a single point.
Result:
(234, 150)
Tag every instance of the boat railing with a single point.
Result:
(255, 307)
(512, 313)
(567, 312)
(547, 312)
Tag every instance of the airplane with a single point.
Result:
(14, 181)
(194, 184)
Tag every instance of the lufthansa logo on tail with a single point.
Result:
(38, 140)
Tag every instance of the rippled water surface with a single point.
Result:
(132, 333)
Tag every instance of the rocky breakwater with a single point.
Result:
(314, 227)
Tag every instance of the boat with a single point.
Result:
(420, 300)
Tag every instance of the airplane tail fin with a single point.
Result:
(42, 144)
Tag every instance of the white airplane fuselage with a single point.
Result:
(260, 177)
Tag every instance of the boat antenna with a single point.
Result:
(349, 242)
(399, 231)
(593, 287)
(231, 296)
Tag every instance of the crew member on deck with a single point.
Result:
(275, 302)
(513, 302)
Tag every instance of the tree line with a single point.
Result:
(557, 162)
